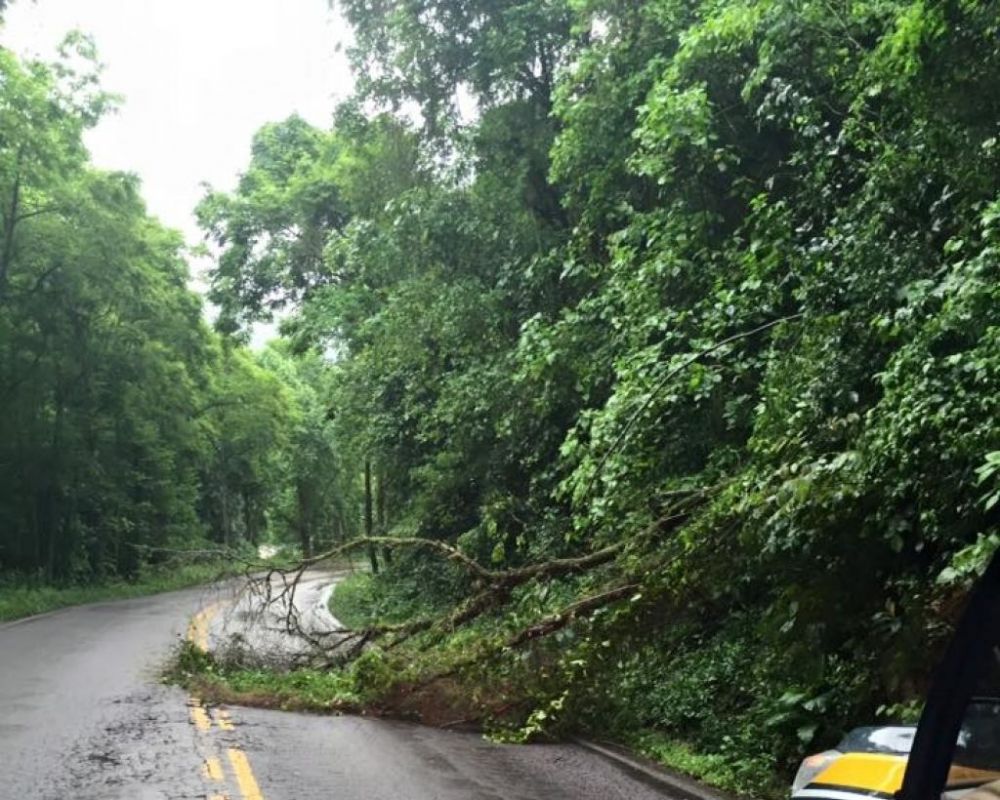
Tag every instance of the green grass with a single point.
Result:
(351, 600)
(18, 600)
(362, 599)
(716, 769)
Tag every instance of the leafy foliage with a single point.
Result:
(712, 283)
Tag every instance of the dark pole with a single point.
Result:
(372, 557)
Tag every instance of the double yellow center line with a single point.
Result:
(203, 720)
(244, 774)
(214, 773)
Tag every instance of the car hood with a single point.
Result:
(857, 775)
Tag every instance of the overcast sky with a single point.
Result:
(198, 78)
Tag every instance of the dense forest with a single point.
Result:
(129, 430)
(674, 326)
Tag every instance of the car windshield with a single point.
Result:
(879, 739)
(976, 758)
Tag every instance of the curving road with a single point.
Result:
(85, 717)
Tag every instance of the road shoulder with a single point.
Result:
(653, 774)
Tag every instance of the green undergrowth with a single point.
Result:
(711, 768)
(22, 598)
(361, 599)
(350, 602)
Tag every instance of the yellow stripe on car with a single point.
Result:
(872, 772)
(857, 775)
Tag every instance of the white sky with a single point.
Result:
(198, 77)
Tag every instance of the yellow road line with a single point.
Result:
(197, 633)
(198, 629)
(244, 775)
(200, 718)
(212, 769)
(194, 629)
(202, 630)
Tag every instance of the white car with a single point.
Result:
(885, 750)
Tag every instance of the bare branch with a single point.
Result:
(570, 613)
(545, 627)
(446, 550)
(37, 212)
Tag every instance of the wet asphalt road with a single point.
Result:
(83, 716)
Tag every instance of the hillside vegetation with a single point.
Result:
(703, 294)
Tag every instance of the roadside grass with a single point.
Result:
(714, 769)
(361, 599)
(351, 600)
(20, 599)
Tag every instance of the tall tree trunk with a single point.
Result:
(50, 492)
(305, 539)
(372, 556)
(225, 515)
(383, 514)
(9, 224)
(249, 519)
(343, 532)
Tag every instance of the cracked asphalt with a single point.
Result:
(85, 717)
